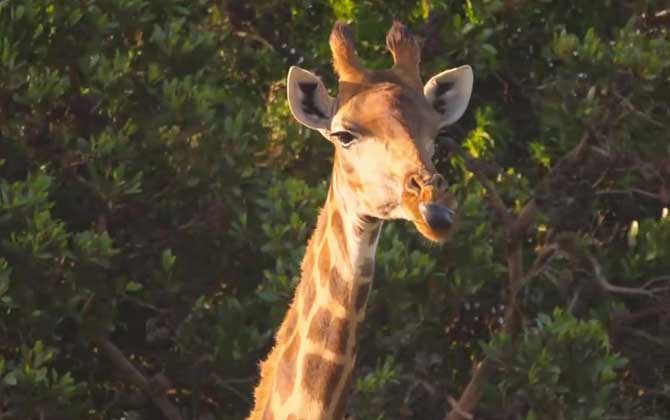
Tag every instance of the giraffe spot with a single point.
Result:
(267, 414)
(317, 236)
(324, 262)
(292, 417)
(338, 287)
(308, 293)
(307, 264)
(330, 332)
(338, 231)
(367, 268)
(318, 329)
(288, 326)
(341, 402)
(320, 377)
(346, 166)
(286, 370)
(354, 183)
(362, 296)
(338, 336)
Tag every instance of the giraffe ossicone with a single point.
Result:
(382, 125)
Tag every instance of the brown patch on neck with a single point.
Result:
(308, 294)
(267, 413)
(339, 289)
(308, 264)
(342, 401)
(330, 332)
(287, 369)
(288, 326)
(324, 261)
(320, 377)
(307, 290)
(367, 268)
(337, 228)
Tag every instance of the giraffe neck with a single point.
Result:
(308, 373)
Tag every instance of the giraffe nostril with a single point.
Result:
(413, 185)
(439, 182)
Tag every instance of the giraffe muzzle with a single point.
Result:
(437, 216)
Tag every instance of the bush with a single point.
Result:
(156, 199)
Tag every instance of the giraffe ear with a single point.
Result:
(309, 100)
(449, 93)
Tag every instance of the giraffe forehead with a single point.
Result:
(388, 111)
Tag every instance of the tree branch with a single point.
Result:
(473, 166)
(515, 227)
(611, 288)
(463, 408)
(155, 387)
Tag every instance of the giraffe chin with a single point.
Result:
(434, 235)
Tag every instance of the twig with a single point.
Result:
(662, 342)
(655, 280)
(155, 388)
(575, 298)
(227, 384)
(541, 261)
(455, 407)
(630, 191)
(525, 218)
(611, 288)
(473, 166)
(631, 318)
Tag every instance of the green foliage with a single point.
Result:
(155, 190)
(34, 388)
(564, 367)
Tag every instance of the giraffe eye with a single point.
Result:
(344, 137)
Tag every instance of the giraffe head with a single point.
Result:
(383, 125)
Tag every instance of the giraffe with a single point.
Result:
(382, 125)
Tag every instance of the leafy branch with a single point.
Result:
(154, 387)
(515, 229)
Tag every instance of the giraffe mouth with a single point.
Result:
(435, 221)
(437, 216)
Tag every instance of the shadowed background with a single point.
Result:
(156, 198)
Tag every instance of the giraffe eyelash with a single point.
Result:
(345, 138)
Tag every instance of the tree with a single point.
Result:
(156, 198)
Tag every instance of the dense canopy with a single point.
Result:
(156, 198)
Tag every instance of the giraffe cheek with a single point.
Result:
(410, 203)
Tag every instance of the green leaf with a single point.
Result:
(10, 379)
(133, 287)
